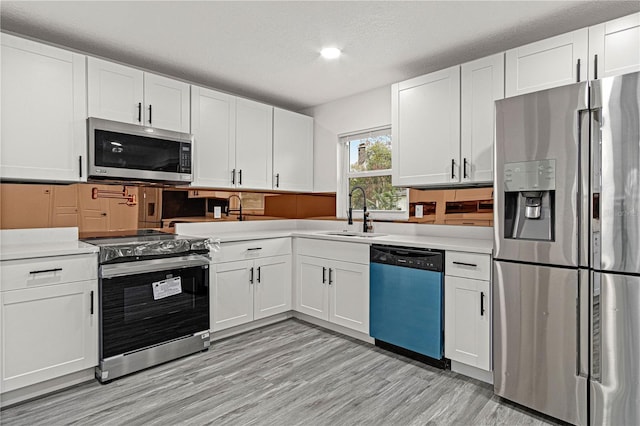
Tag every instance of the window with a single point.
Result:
(366, 162)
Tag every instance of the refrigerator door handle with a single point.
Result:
(583, 324)
(596, 185)
(596, 328)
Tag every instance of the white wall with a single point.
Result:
(348, 115)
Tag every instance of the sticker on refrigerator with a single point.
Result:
(166, 288)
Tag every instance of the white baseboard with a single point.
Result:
(473, 372)
(39, 389)
(243, 328)
(333, 327)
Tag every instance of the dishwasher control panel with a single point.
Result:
(408, 257)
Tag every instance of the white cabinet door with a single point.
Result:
(292, 151)
(115, 92)
(468, 321)
(547, 63)
(48, 332)
(44, 98)
(272, 286)
(166, 103)
(232, 295)
(614, 47)
(213, 124)
(312, 282)
(349, 295)
(254, 144)
(482, 83)
(426, 129)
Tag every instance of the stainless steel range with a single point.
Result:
(153, 298)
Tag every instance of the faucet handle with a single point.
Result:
(370, 225)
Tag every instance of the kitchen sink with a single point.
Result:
(354, 234)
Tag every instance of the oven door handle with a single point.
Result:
(153, 265)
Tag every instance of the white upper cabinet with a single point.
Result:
(43, 112)
(115, 91)
(166, 102)
(213, 124)
(482, 84)
(548, 63)
(426, 129)
(120, 93)
(614, 47)
(254, 145)
(292, 151)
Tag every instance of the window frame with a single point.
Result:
(344, 174)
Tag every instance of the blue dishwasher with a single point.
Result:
(406, 299)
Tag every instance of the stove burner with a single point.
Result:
(145, 244)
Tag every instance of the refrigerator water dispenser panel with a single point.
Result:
(529, 190)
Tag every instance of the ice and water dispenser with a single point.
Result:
(529, 191)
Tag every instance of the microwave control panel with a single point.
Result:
(185, 158)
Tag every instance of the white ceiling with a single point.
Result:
(269, 50)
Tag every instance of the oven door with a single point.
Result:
(146, 303)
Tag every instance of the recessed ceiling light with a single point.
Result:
(330, 52)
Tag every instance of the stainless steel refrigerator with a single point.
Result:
(567, 251)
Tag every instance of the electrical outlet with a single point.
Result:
(217, 212)
(419, 210)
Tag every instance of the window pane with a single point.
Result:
(381, 195)
(370, 153)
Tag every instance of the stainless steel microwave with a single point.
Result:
(129, 152)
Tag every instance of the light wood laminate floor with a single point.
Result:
(290, 373)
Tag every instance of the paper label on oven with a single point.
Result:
(166, 288)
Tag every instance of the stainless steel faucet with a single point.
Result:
(365, 225)
(239, 209)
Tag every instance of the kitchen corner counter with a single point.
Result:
(392, 235)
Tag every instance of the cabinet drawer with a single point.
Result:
(343, 251)
(27, 273)
(468, 265)
(252, 249)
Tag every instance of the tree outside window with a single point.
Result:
(368, 165)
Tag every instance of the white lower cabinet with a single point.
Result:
(48, 319)
(467, 298)
(334, 289)
(255, 287)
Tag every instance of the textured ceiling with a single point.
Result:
(269, 50)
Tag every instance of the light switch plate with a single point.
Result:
(419, 210)
(217, 212)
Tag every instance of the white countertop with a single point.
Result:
(292, 228)
(422, 241)
(33, 243)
